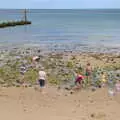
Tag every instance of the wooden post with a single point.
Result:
(25, 15)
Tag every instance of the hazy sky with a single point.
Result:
(68, 4)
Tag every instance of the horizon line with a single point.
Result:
(61, 8)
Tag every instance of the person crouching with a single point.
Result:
(78, 81)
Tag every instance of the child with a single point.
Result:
(103, 79)
(23, 70)
(111, 88)
(117, 86)
(88, 72)
(42, 79)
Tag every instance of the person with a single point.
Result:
(117, 86)
(79, 80)
(88, 72)
(103, 79)
(35, 60)
(23, 70)
(42, 79)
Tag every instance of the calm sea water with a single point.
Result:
(84, 30)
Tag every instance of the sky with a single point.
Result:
(60, 4)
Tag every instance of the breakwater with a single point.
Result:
(14, 23)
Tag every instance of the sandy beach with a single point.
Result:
(28, 104)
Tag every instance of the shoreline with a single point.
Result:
(61, 47)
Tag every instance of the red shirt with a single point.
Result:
(79, 78)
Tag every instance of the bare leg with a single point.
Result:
(77, 87)
(43, 90)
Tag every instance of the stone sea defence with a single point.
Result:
(13, 23)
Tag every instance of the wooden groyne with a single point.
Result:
(14, 23)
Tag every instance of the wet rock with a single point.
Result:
(2, 81)
(93, 89)
(71, 92)
(16, 84)
(92, 115)
(67, 88)
(66, 95)
(5, 85)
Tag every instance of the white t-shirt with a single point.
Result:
(42, 75)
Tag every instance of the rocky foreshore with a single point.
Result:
(60, 66)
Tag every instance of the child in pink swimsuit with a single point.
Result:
(117, 86)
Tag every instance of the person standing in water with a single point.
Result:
(42, 79)
(88, 72)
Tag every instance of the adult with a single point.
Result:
(79, 80)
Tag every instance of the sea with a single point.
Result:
(84, 30)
